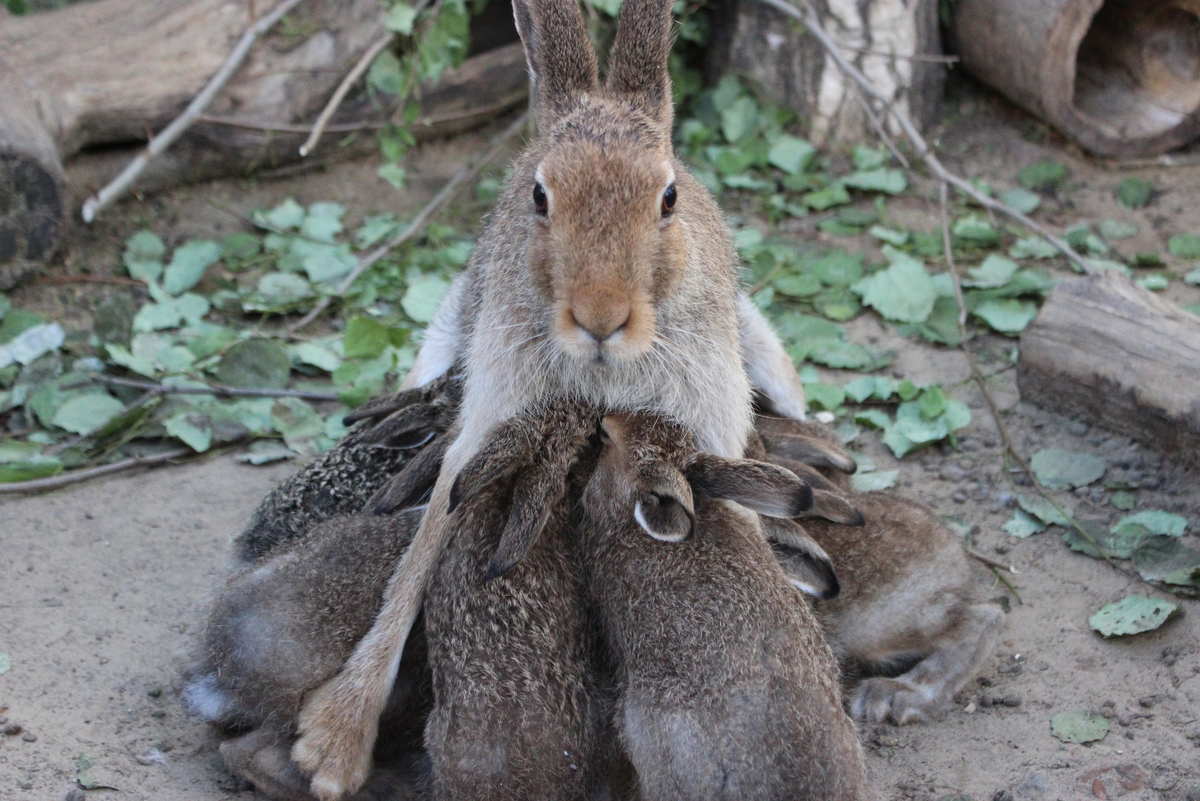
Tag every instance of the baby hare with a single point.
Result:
(906, 600)
(281, 627)
(606, 273)
(727, 687)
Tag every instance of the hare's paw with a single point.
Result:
(335, 744)
(263, 760)
(880, 699)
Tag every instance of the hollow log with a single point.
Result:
(112, 72)
(1120, 77)
(896, 43)
(1111, 352)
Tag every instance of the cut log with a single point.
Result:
(111, 72)
(1109, 351)
(896, 43)
(1120, 77)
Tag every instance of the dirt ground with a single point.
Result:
(103, 586)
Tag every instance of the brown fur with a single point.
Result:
(727, 688)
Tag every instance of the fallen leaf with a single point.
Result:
(1059, 469)
(1157, 521)
(5, 663)
(257, 363)
(1134, 193)
(874, 482)
(84, 414)
(1022, 200)
(84, 774)
(1169, 560)
(1123, 500)
(265, 451)
(1043, 510)
(423, 296)
(1078, 726)
(995, 271)
(892, 182)
(188, 264)
(1131, 615)
(1155, 283)
(903, 292)
(1116, 230)
(1042, 175)
(1193, 277)
(791, 154)
(1024, 525)
(31, 344)
(1033, 248)
(976, 230)
(192, 429)
(1006, 315)
(1185, 246)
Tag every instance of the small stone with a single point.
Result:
(1006, 499)
(1151, 482)
(985, 701)
(1082, 492)
(158, 714)
(12, 729)
(76, 795)
(1149, 701)
(26, 785)
(1129, 735)
(959, 496)
(1078, 429)
(1002, 795)
(984, 681)
(154, 692)
(1164, 780)
(29, 737)
(1012, 700)
(970, 708)
(1021, 480)
(3, 720)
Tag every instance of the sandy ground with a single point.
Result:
(103, 586)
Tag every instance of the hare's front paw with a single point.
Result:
(336, 739)
(877, 700)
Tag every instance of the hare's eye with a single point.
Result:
(668, 200)
(539, 199)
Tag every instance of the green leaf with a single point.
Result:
(1059, 469)
(84, 414)
(1042, 175)
(365, 338)
(869, 158)
(188, 308)
(1157, 521)
(826, 396)
(1033, 247)
(826, 198)
(257, 363)
(796, 327)
(29, 469)
(1024, 525)
(860, 389)
(958, 414)
(1133, 614)
(838, 268)
(280, 290)
(739, 119)
(188, 264)
(265, 451)
(299, 424)
(1168, 560)
(394, 174)
(5, 305)
(791, 154)
(1105, 543)
(240, 245)
(145, 245)
(323, 221)
(996, 271)
(890, 236)
(323, 261)
(192, 429)
(1193, 277)
(903, 292)
(1043, 510)
(1185, 246)
(400, 19)
(942, 324)
(932, 403)
(976, 230)
(1022, 200)
(1154, 283)
(1078, 726)
(1123, 500)
(1193, 308)
(892, 182)
(386, 75)
(803, 285)
(874, 482)
(317, 355)
(1116, 230)
(1134, 193)
(1008, 316)
(839, 355)
(288, 215)
(17, 321)
(5, 663)
(876, 418)
(423, 296)
(31, 344)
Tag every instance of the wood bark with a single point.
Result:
(786, 66)
(1120, 77)
(112, 72)
(1107, 350)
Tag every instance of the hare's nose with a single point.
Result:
(602, 320)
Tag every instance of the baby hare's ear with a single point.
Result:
(637, 63)
(807, 567)
(409, 486)
(562, 63)
(766, 488)
(664, 507)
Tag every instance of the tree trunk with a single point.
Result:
(113, 72)
(1120, 77)
(891, 41)
(1118, 355)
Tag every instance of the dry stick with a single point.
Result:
(213, 389)
(54, 482)
(977, 375)
(877, 124)
(813, 22)
(167, 137)
(343, 89)
(419, 222)
(116, 280)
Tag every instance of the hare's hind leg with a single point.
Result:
(917, 695)
(262, 757)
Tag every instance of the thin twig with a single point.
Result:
(812, 21)
(990, 562)
(1000, 578)
(116, 280)
(439, 201)
(66, 479)
(343, 89)
(929, 57)
(168, 135)
(877, 124)
(212, 389)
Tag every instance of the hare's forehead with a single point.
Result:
(582, 163)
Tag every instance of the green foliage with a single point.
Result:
(1133, 614)
(1134, 193)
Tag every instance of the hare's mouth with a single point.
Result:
(616, 334)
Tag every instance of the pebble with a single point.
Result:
(29, 737)
(959, 496)
(1002, 795)
(1021, 480)
(1006, 499)
(1149, 701)
(1011, 700)
(76, 795)
(12, 729)
(1078, 429)
(154, 692)
(1151, 482)
(158, 714)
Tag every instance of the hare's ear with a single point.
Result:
(637, 63)
(807, 567)
(409, 486)
(835, 508)
(562, 63)
(766, 488)
(664, 507)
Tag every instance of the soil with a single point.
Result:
(104, 585)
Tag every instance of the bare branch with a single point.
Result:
(212, 389)
(74, 477)
(168, 135)
(419, 222)
(344, 87)
(812, 22)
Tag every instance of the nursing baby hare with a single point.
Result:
(727, 689)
